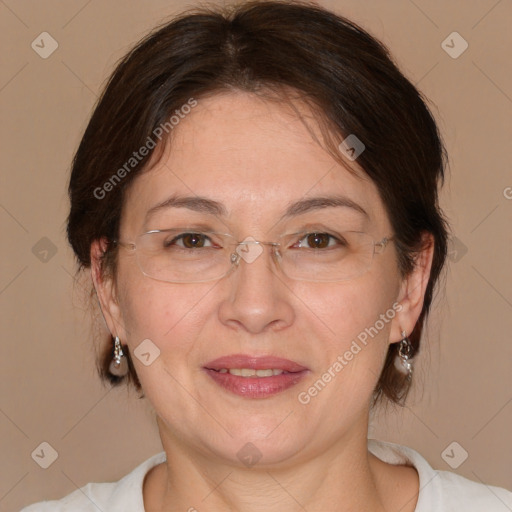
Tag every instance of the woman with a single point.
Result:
(256, 196)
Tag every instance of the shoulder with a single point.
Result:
(457, 491)
(126, 494)
(443, 491)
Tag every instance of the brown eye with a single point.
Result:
(187, 241)
(193, 240)
(318, 240)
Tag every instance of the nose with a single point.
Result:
(256, 298)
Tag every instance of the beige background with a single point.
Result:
(49, 389)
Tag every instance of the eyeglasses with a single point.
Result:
(187, 255)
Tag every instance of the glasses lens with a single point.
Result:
(325, 257)
(181, 256)
(187, 256)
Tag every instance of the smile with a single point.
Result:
(255, 376)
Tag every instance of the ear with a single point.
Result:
(106, 290)
(412, 291)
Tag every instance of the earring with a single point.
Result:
(402, 362)
(119, 363)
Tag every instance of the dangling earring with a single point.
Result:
(119, 363)
(402, 363)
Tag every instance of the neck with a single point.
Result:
(342, 478)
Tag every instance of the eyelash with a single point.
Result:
(338, 239)
(181, 236)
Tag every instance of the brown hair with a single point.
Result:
(275, 46)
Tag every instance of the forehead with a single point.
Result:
(254, 156)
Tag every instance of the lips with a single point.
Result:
(254, 363)
(255, 376)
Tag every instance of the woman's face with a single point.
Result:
(255, 160)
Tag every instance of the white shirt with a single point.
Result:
(440, 491)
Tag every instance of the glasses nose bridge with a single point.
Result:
(239, 253)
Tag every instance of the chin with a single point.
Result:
(264, 453)
(263, 442)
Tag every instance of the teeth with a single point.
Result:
(249, 372)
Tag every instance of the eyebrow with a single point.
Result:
(317, 203)
(209, 206)
(197, 204)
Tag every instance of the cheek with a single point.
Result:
(170, 315)
(346, 310)
(351, 323)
